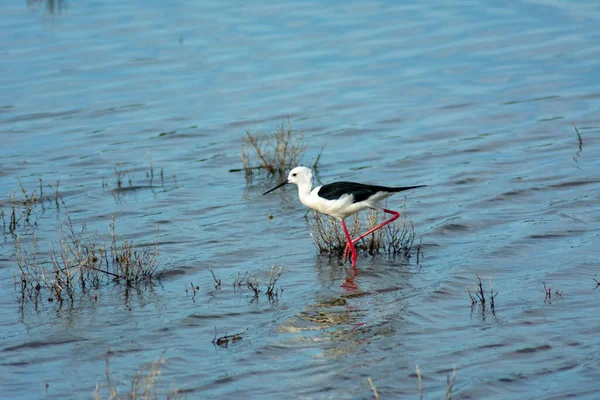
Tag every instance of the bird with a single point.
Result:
(342, 199)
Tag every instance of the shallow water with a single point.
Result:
(475, 101)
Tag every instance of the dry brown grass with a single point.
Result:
(143, 385)
(450, 381)
(479, 297)
(78, 261)
(275, 153)
(26, 207)
(393, 239)
(252, 282)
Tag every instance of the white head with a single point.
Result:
(300, 176)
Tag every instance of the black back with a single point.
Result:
(360, 191)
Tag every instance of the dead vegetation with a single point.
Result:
(123, 175)
(373, 388)
(548, 292)
(580, 140)
(480, 299)
(396, 238)
(78, 261)
(27, 206)
(250, 282)
(225, 340)
(450, 381)
(143, 385)
(275, 153)
(253, 283)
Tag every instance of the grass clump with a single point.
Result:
(276, 153)
(396, 238)
(479, 297)
(143, 385)
(248, 281)
(123, 175)
(78, 261)
(21, 212)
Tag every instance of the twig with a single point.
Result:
(578, 136)
(373, 388)
(254, 286)
(479, 292)
(223, 341)
(420, 380)
(450, 383)
(315, 165)
(492, 297)
(548, 292)
(239, 280)
(473, 301)
(274, 275)
(217, 281)
(194, 290)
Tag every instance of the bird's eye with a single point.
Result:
(294, 174)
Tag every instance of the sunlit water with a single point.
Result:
(475, 101)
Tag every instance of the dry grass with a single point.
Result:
(373, 388)
(27, 206)
(480, 298)
(276, 153)
(77, 261)
(450, 381)
(393, 239)
(143, 385)
(123, 176)
(548, 291)
(251, 282)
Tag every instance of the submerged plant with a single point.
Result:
(393, 239)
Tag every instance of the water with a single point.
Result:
(475, 101)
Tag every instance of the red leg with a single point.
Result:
(349, 239)
(395, 214)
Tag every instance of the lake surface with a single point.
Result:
(476, 101)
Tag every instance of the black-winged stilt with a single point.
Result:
(342, 199)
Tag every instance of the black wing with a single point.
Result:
(360, 191)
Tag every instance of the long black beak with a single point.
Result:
(276, 187)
